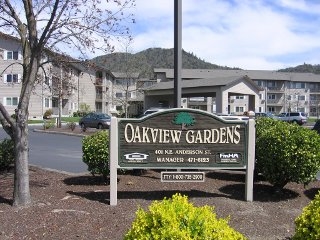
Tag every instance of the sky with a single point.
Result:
(249, 34)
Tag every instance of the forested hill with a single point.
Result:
(304, 68)
(145, 61)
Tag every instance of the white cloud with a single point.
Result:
(235, 33)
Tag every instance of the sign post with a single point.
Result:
(113, 156)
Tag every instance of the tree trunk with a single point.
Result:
(21, 194)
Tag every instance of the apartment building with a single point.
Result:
(67, 85)
(73, 84)
(11, 77)
(237, 91)
(57, 82)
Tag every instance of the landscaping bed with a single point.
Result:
(77, 206)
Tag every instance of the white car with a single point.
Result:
(153, 110)
(294, 117)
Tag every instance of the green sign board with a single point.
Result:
(182, 138)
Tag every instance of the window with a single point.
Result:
(239, 97)
(259, 83)
(271, 109)
(119, 108)
(12, 55)
(119, 94)
(74, 106)
(239, 109)
(300, 85)
(55, 102)
(271, 96)
(11, 101)
(271, 84)
(133, 95)
(11, 78)
(47, 102)
(302, 97)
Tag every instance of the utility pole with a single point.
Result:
(177, 52)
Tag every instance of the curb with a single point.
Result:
(62, 133)
(60, 171)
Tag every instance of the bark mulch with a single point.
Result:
(68, 206)
(77, 206)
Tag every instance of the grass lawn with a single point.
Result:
(53, 120)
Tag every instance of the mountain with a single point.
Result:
(145, 61)
(304, 68)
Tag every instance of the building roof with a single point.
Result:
(203, 82)
(125, 75)
(253, 74)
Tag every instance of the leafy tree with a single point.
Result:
(44, 28)
(185, 119)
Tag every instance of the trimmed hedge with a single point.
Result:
(95, 153)
(286, 152)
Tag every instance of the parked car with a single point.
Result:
(232, 117)
(153, 110)
(95, 120)
(293, 117)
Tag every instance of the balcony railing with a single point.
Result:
(275, 89)
(314, 90)
(314, 102)
(275, 101)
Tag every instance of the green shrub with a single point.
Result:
(48, 124)
(177, 219)
(79, 114)
(95, 150)
(308, 223)
(286, 152)
(6, 154)
(71, 125)
(47, 114)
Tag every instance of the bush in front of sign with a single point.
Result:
(177, 218)
(286, 152)
(95, 153)
(6, 154)
(308, 223)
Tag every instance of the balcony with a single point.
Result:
(275, 102)
(314, 102)
(314, 90)
(275, 89)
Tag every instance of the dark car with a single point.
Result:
(95, 120)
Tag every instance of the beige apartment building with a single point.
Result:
(237, 91)
(68, 83)
(73, 84)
